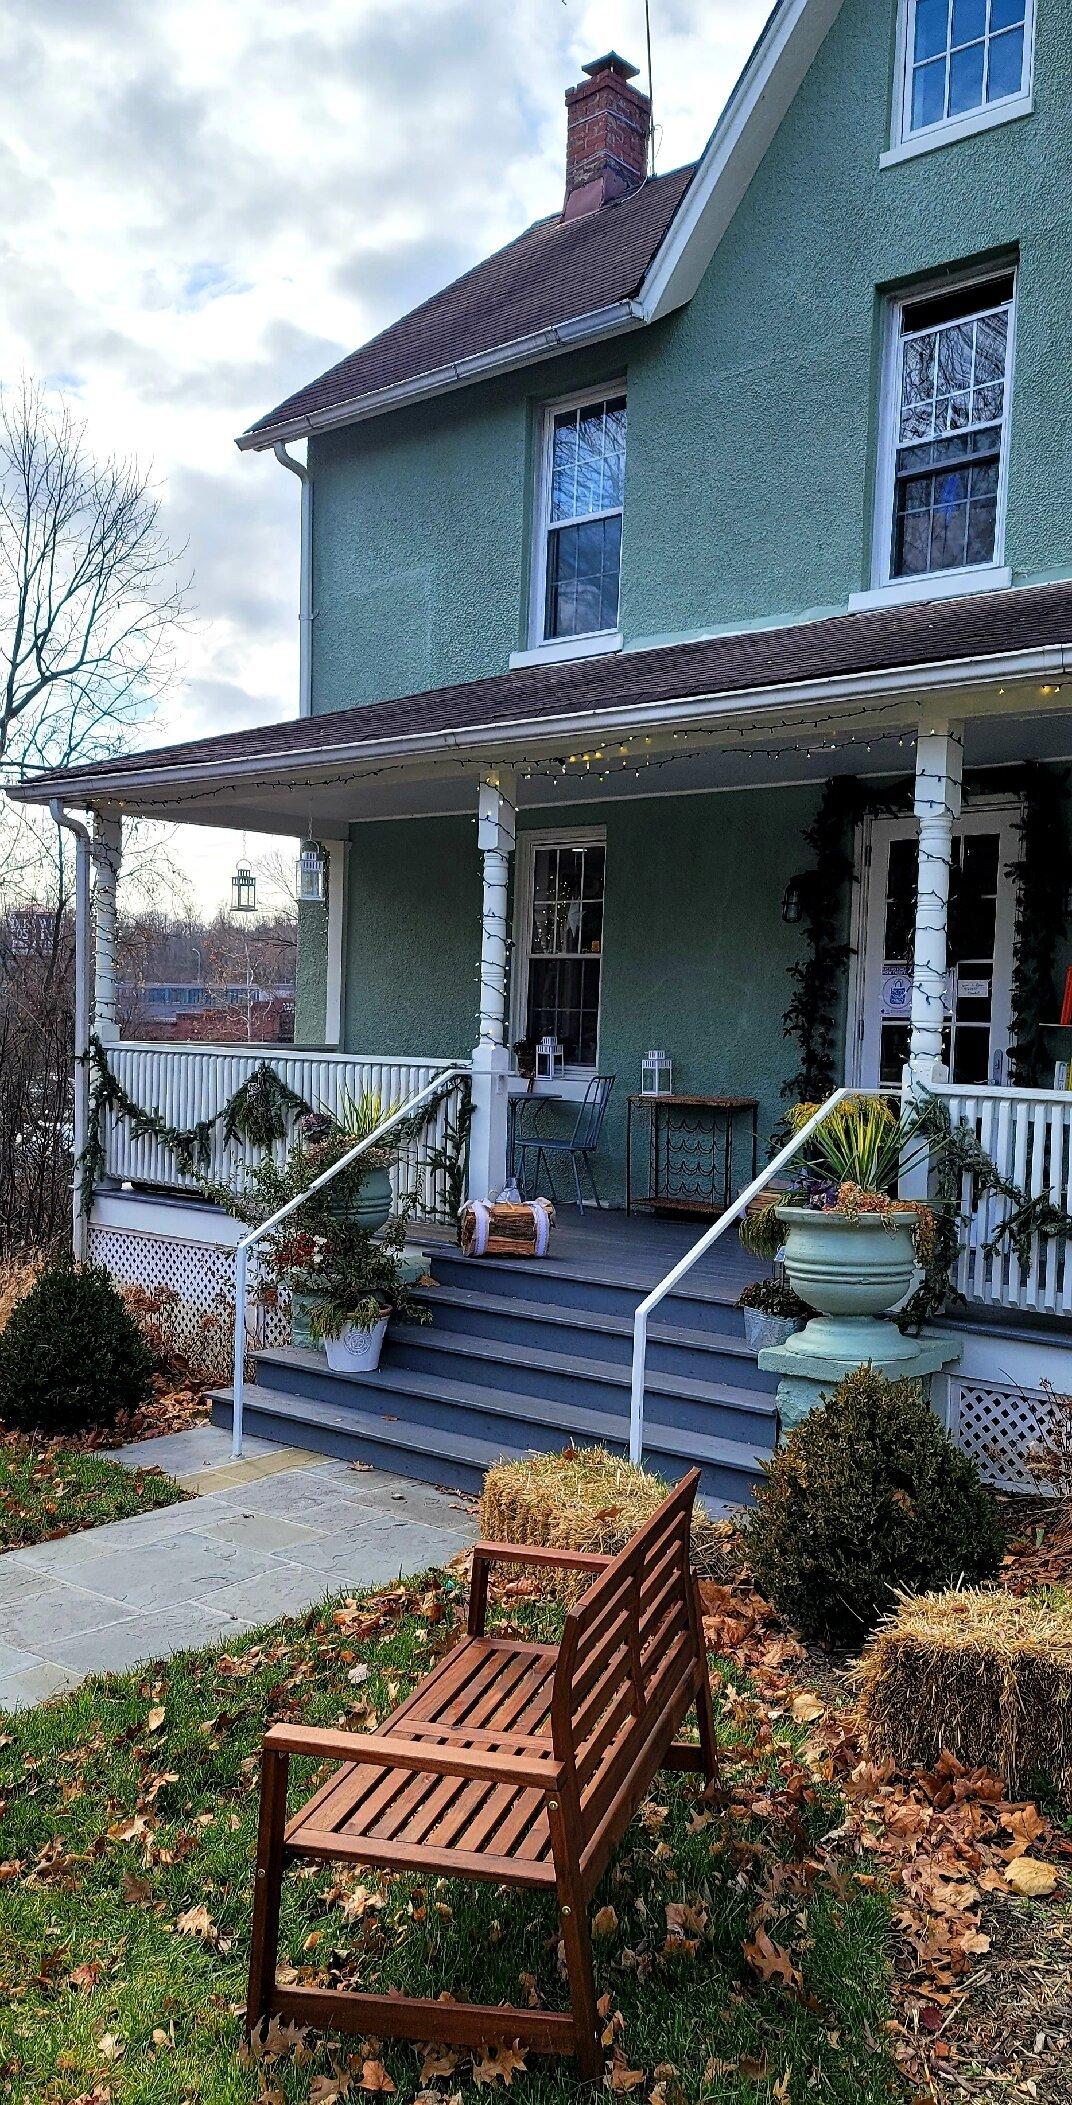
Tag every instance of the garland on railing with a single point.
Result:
(258, 1112)
(956, 1153)
(1043, 872)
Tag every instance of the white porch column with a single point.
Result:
(938, 797)
(491, 1056)
(939, 777)
(107, 856)
(80, 1128)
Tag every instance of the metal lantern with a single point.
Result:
(243, 890)
(549, 1059)
(312, 875)
(657, 1074)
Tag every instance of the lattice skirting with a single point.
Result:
(183, 1294)
(997, 1425)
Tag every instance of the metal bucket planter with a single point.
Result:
(761, 1330)
(854, 1271)
(357, 1351)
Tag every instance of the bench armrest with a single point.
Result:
(485, 1554)
(385, 1751)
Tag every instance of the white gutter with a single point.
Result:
(460, 372)
(305, 588)
(1055, 660)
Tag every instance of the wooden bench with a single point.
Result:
(518, 1763)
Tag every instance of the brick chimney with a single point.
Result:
(608, 130)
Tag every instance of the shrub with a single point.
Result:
(72, 1355)
(867, 1497)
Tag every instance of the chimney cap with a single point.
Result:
(611, 62)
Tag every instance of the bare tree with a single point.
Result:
(89, 602)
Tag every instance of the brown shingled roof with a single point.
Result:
(883, 639)
(556, 272)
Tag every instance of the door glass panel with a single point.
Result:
(975, 880)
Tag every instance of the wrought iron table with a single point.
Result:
(690, 1151)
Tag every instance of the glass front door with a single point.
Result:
(982, 907)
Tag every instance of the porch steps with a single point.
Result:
(449, 1432)
(522, 1357)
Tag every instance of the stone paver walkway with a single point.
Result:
(263, 1538)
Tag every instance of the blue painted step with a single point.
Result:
(615, 1291)
(447, 1433)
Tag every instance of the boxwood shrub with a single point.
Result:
(868, 1497)
(72, 1356)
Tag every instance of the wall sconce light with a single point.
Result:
(793, 901)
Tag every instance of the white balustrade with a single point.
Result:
(186, 1084)
(1028, 1135)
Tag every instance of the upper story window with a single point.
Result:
(965, 64)
(582, 487)
(941, 492)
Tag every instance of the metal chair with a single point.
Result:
(578, 1148)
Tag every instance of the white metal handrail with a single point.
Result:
(706, 1242)
(405, 1111)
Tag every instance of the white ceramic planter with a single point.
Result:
(356, 1351)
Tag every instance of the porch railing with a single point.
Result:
(1028, 1135)
(699, 1249)
(187, 1083)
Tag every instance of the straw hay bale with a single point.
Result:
(985, 1675)
(580, 1499)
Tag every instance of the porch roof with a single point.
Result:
(907, 651)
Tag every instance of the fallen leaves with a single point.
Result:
(499, 2066)
(604, 1922)
(197, 1922)
(771, 1961)
(1031, 1879)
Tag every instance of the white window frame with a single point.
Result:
(904, 142)
(972, 577)
(594, 641)
(524, 882)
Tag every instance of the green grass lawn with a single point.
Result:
(128, 1822)
(47, 1492)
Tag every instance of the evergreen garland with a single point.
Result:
(259, 1112)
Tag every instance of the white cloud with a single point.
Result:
(206, 202)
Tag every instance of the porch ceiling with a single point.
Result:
(840, 695)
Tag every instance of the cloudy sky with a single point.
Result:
(206, 202)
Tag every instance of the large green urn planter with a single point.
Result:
(372, 1206)
(854, 1270)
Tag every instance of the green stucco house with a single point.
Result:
(686, 648)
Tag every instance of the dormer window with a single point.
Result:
(580, 495)
(964, 65)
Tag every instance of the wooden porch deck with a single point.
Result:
(635, 1250)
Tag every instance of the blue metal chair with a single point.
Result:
(578, 1148)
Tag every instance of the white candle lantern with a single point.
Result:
(549, 1059)
(312, 875)
(657, 1075)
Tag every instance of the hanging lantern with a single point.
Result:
(549, 1059)
(657, 1075)
(243, 890)
(312, 875)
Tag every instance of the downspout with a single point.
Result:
(305, 588)
(80, 1134)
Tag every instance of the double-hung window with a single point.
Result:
(941, 495)
(562, 945)
(965, 63)
(579, 544)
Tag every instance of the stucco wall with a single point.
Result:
(695, 952)
(311, 975)
(751, 413)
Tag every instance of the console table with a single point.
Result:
(690, 1147)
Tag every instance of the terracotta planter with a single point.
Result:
(357, 1351)
(844, 1267)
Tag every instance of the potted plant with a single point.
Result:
(353, 1283)
(772, 1312)
(851, 1247)
(364, 1192)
